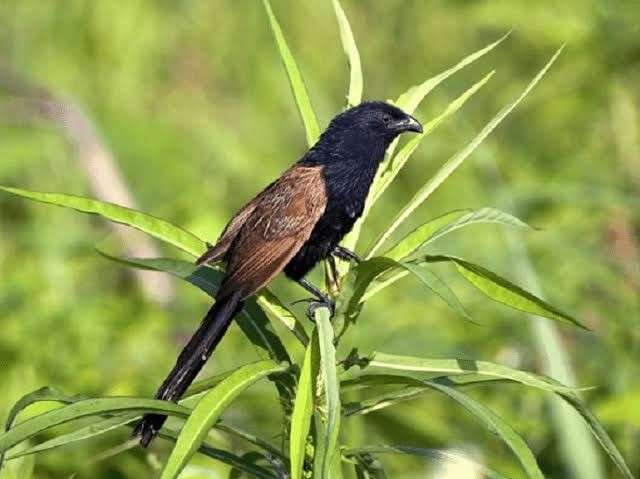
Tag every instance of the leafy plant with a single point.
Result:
(313, 389)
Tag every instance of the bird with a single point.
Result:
(294, 223)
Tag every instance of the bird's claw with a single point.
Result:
(323, 303)
(346, 254)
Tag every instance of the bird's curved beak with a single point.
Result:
(408, 123)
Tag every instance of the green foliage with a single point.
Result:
(316, 389)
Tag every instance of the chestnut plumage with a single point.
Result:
(294, 223)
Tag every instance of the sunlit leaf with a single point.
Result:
(209, 409)
(389, 170)
(496, 425)
(252, 320)
(87, 432)
(349, 45)
(156, 227)
(327, 450)
(303, 407)
(223, 456)
(434, 229)
(442, 457)
(455, 161)
(462, 366)
(86, 408)
(372, 268)
(295, 79)
(503, 291)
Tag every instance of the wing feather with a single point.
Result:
(280, 223)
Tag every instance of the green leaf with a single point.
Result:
(209, 409)
(252, 320)
(39, 395)
(411, 99)
(370, 269)
(496, 425)
(349, 45)
(295, 79)
(505, 292)
(85, 408)
(303, 407)
(328, 425)
(156, 227)
(442, 457)
(462, 366)
(455, 161)
(223, 456)
(390, 169)
(391, 166)
(434, 229)
(86, 432)
(438, 287)
(599, 433)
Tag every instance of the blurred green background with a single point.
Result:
(191, 102)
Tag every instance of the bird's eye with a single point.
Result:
(386, 118)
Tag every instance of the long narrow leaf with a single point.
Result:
(303, 407)
(329, 429)
(209, 409)
(39, 395)
(223, 456)
(84, 433)
(440, 456)
(156, 227)
(600, 434)
(496, 425)
(462, 366)
(295, 79)
(351, 50)
(370, 269)
(86, 408)
(390, 171)
(454, 162)
(418, 239)
(208, 280)
(505, 292)
(409, 101)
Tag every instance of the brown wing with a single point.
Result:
(218, 251)
(278, 226)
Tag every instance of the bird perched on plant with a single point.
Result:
(295, 222)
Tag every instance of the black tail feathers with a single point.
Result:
(190, 361)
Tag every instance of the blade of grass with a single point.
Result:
(410, 100)
(84, 433)
(496, 425)
(329, 422)
(442, 457)
(462, 366)
(418, 239)
(156, 227)
(391, 170)
(505, 292)
(85, 408)
(454, 162)
(303, 407)
(295, 79)
(209, 409)
(208, 279)
(223, 456)
(354, 97)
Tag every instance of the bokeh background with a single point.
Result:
(183, 109)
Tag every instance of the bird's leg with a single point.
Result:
(345, 254)
(321, 299)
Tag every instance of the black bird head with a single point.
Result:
(377, 118)
(362, 133)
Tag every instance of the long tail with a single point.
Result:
(190, 362)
